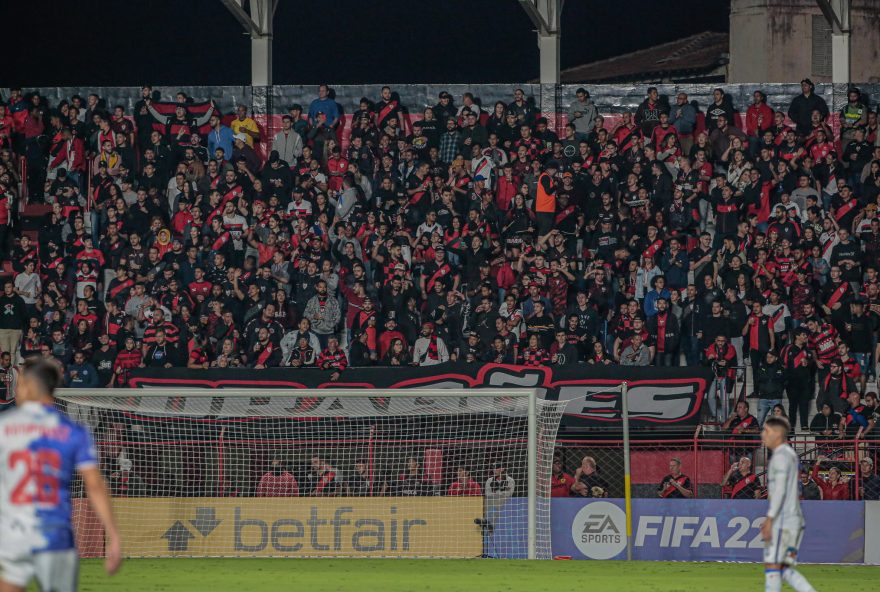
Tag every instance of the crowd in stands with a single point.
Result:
(715, 234)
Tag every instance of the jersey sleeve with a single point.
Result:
(85, 453)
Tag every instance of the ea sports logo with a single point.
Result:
(599, 530)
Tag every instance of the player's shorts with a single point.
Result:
(782, 548)
(57, 571)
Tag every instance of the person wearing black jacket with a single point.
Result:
(665, 334)
(769, 384)
(797, 360)
(802, 106)
(722, 104)
(162, 353)
(359, 351)
(648, 112)
(12, 318)
(825, 424)
(713, 324)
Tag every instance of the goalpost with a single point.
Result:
(322, 473)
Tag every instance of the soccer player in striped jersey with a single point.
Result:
(40, 451)
(783, 528)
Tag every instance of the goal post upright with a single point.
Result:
(532, 448)
(627, 475)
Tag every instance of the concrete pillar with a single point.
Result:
(262, 12)
(261, 60)
(840, 57)
(546, 15)
(257, 22)
(548, 46)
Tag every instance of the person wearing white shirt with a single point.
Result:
(28, 284)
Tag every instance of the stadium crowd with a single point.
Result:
(720, 234)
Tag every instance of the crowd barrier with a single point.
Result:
(705, 530)
(583, 529)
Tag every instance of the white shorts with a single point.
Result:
(782, 548)
(57, 571)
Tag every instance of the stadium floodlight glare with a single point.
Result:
(322, 473)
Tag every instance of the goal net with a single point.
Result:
(321, 473)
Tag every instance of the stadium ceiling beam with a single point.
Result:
(256, 16)
(546, 15)
(837, 13)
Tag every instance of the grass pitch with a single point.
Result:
(332, 575)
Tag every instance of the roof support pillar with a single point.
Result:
(256, 16)
(546, 15)
(837, 13)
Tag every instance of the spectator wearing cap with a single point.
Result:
(243, 152)
(287, 142)
(769, 384)
(800, 111)
(869, 482)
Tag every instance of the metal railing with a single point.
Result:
(705, 459)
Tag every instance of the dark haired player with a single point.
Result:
(40, 451)
(783, 528)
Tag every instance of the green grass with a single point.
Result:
(326, 575)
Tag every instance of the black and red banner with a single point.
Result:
(658, 397)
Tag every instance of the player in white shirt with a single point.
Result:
(783, 528)
(41, 450)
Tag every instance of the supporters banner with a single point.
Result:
(300, 527)
(659, 397)
(701, 530)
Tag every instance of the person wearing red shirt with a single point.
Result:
(759, 116)
(832, 486)
(465, 485)
(7, 126)
(337, 167)
(560, 481)
(277, 482)
(200, 288)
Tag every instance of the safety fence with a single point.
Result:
(718, 465)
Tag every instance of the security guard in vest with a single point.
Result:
(545, 201)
